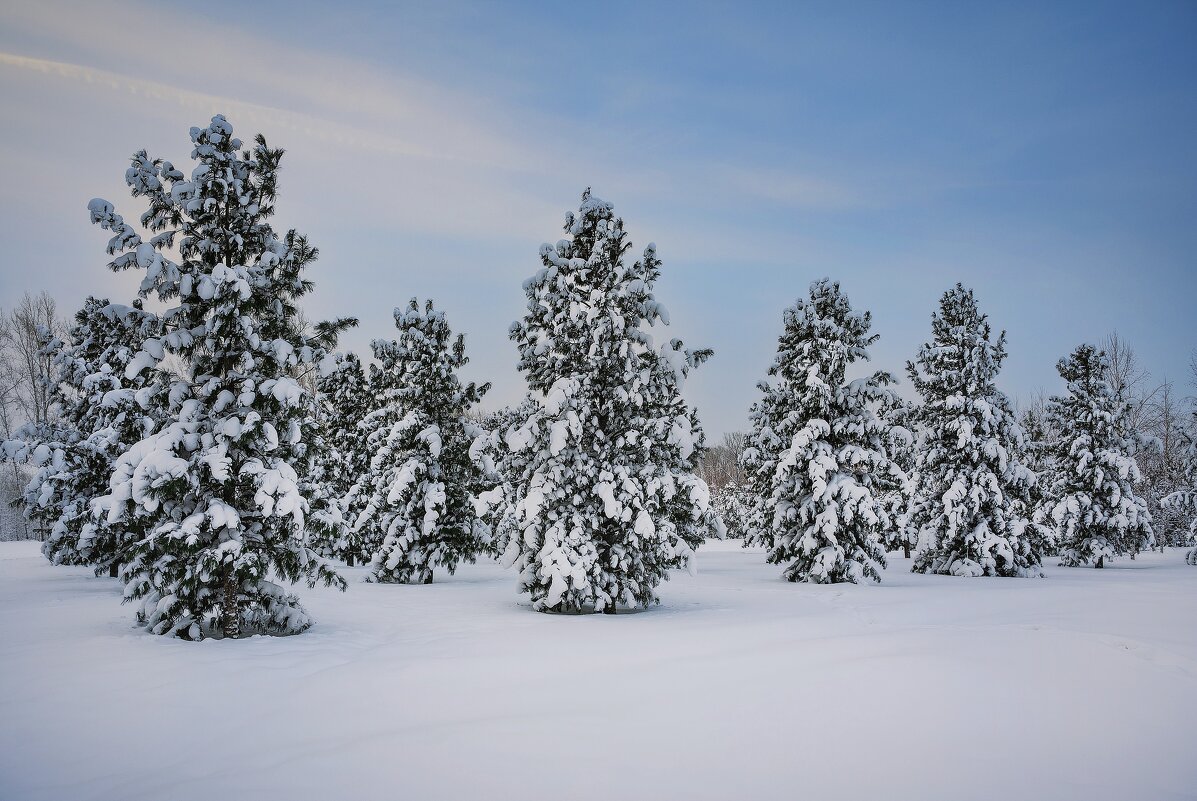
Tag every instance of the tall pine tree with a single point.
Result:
(116, 409)
(898, 415)
(602, 487)
(99, 413)
(509, 464)
(424, 474)
(970, 496)
(772, 429)
(1036, 454)
(825, 511)
(1095, 510)
(217, 488)
(345, 400)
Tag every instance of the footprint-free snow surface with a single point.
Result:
(1082, 685)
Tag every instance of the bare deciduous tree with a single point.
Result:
(24, 330)
(1193, 379)
(1162, 465)
(721, 463)
(25, 393)
(1156, 420)
(1128, 379)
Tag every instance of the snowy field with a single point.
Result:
(739, 686)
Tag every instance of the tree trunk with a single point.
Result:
(609, 609)
(1101, 562)
(428, 578)
(229, 611)
(114, 570)
(906, 549)
(349, 560)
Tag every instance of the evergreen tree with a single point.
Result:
(116, 409)
(1036, 454)
(345, 400)
(825, 511)
(898, 416)
(970, 497)
(1096, 513)
(99, 413)
(731, 504)
(772, 428)
(216, 488)
(327, 524)
(602, 486)
(509, 464)
(423, 476)
(1184, 500)
(672, 440)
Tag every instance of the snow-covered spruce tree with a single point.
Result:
(216, 487)
(1184, 500)
(901, 445)
(326, 520)
(508, 466)
(111, 409)
(825, 513)
(1036, 454)
(730, 503)
(95, 418)
(424, 474)
(771, 429)
(1096, 513)
(342, 459)
(970, 495)
(603, 490)
(671, 435)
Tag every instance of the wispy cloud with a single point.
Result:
(370, 108)
(420, 181)
(252, 115)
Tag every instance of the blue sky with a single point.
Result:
(1041, 153)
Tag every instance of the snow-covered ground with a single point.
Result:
(739, 686)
